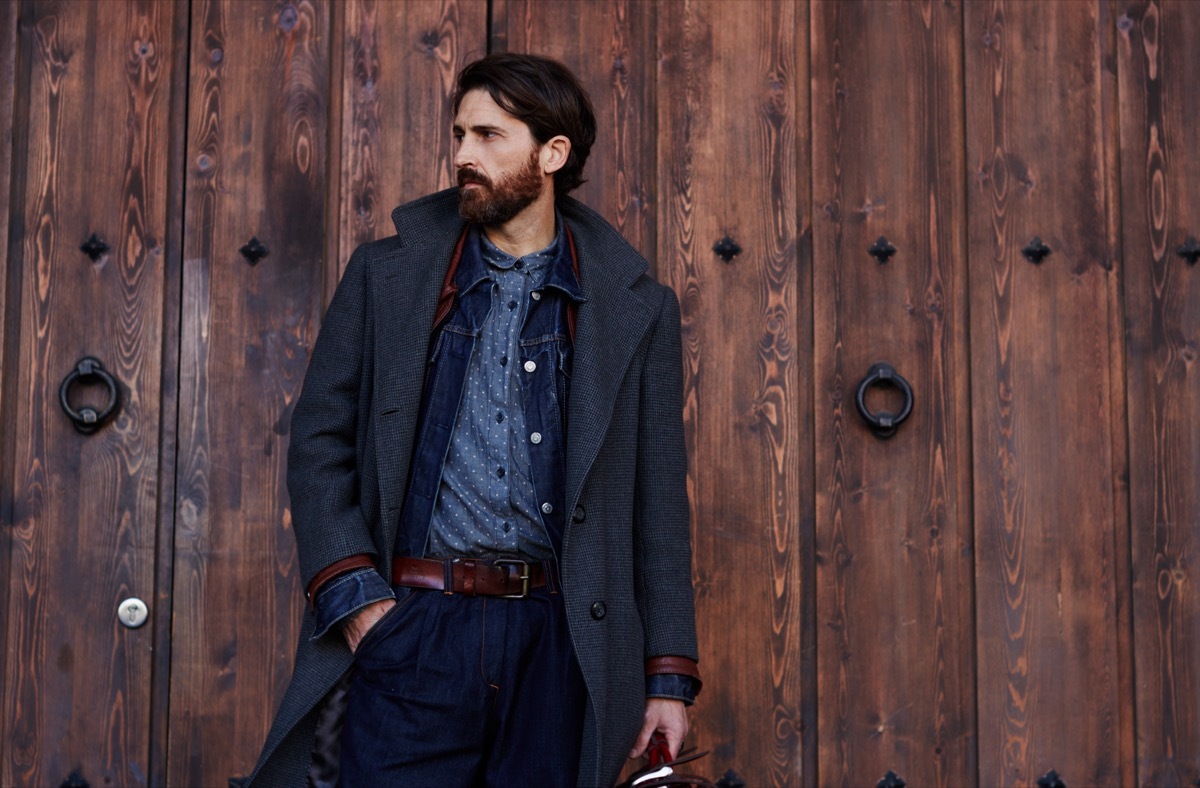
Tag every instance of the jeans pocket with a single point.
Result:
(379, 630)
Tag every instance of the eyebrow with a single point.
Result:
(479, 128)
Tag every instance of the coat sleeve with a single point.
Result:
(326, 430)
(662, 541)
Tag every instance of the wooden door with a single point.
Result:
(93, 145)
(1001, 592)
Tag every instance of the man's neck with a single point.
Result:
(532, 230)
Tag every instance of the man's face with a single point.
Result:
(498, 164)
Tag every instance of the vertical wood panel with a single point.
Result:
(609, 44)
(10, 188)
(894, 539)
(1041, 380)
(398, 76)
(77, 689)
(256, 167)
(1159, 103)
(732, 114)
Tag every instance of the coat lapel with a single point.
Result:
(611, 323)
(407, 286)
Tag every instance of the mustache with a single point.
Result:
(468, 175)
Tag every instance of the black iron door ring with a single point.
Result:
(87, 419)
(884, 375)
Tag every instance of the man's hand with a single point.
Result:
(361, 624)
(666, 715)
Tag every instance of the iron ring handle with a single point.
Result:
(87, 419)
(884, 424)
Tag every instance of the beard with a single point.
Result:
(499, 202)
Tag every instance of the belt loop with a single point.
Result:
(448, 576)
(548, 569)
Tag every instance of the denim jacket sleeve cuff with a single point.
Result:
(345, 595)
(674, 686)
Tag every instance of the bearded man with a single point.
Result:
(487, 476)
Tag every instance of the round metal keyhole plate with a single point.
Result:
(133, 612)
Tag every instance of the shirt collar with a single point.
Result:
(559, 273)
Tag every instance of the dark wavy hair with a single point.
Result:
(543, 94)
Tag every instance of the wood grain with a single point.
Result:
(399, 64)
(1041, 381)
(1159, 100)
(256, 167)
(10, 284)
(610, 46)
(727, 153)
(893, 542)
(76, 688)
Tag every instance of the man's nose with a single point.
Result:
(464, 156)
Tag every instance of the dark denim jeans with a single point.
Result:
(465, 691)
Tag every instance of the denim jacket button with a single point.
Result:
(547, 508)
(530, 366)
(535, 438)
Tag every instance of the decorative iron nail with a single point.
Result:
(882, 249)
(94, 247)
(1035, 251)
(254, 250)
(731, 780)
(1190, 251)
(74, 780)
(727, 249)
(891, 780)
(1051, 780)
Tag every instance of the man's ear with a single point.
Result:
(554, 154)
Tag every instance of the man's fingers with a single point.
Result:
(643, 739)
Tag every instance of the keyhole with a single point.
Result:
(131, 613)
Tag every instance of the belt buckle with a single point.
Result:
(524, 576)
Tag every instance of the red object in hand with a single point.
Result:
(659, 751)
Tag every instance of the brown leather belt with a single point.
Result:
(501, 577)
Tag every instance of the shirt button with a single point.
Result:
(547, 508)
(504, 361)
(499, 418)
(507, 527)
(519, 264)
(530, 366)
(512, 304)
(536, 295)
(500, 473)
(535, 438)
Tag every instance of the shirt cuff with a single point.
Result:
(345, 595)
(674, 686)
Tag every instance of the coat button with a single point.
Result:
(599, 610)
(579, 515)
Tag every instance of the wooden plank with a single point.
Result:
(398, 77)
(610, 46)
(1159, 101)
(728, 142)
(1048, 660)
(172, 263)
(77, 683)
(893, 541)
(256, 168)
(10, 286)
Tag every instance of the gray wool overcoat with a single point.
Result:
(627, 542)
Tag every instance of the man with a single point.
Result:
(487, 477)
